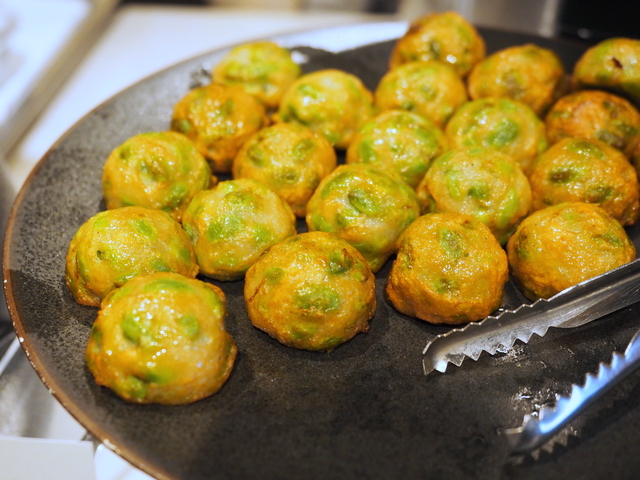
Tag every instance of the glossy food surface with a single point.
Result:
(232, 224)
(449, 269)
(160, 338)
(313, 291)
(218, 119)
(115, 245)
(580, 170)
(481, 182)
(288, 158)
(445, 36)
(562, 245)
(527, 73)
(161, 170)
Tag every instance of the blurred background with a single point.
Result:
(587, 20)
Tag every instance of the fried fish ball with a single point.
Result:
(263, 69)
(218, 119)
(590, 171)
(614, 64)
(161, 170)
(595, 114)
(431, 89)
(365, 206)
(444, 36)
(116, 245)
(481, 182)
(501, 123)
(562, 245)
(233, 223)
(528, 73)
(313, 291)
(330, 102)
(449, 270)
(400, 141)
(288, 158)
(160, 338)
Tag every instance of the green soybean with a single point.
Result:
(274, 274)
(262, 235)
(168, 284)
(452, 243)
(452, 181)
(599, 193)
(131, 329)
(144, 228)
(479, 190)
(445, 286)
(303, 149)
(224, 228)
(189, 325)
(322, 298)
(318, 222)
(366, 151)
(135, 387)
(506, 132)
(339, 262)
(364, 202)
(610, 238)
(562, 175)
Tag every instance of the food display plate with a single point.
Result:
(363, 411)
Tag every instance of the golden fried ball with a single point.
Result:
(431, 89)
(264, 69)
(218, 119)
(288, 158)
(161, 170)
(528, 73)
(481, 182)
(116, 245)
(160, 338)
(313, 291)
(595, 114)
(580, 170)
(233, 223)
(562, 245)
(449, 269)
(365, 206)
(444, 36)
(501, 123)
(614, 64)
(400, 141)
(330, 102)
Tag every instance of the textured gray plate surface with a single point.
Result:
(363, 411)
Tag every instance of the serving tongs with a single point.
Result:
(575, 306)
(536, 431)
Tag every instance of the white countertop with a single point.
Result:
(138, 41)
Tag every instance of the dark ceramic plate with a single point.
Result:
(363, 411)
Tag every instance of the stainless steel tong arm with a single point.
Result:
(577, 305)
(536, 431)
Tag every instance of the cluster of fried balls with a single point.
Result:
(460, 167)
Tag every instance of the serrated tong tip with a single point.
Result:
(575, 306)
(495, 333)
(538, 430)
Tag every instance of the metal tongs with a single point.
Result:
(575, 306)
(580, 304)
(536, 431)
